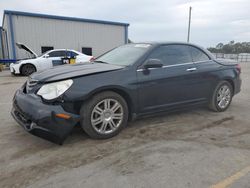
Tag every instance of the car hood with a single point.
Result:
(71, 71)
(26, 48)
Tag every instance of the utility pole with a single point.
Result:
(189, 23)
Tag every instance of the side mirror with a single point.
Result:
(46, 56)
(153, 63)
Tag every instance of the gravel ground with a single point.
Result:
(195, 148)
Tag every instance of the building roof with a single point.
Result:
(12, 12)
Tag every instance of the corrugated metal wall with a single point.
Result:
(7, 40)
(37, 32)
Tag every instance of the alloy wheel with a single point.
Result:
(223, 96)
(107, 116)
(28, 69)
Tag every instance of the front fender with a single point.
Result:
(15, 68)
(122, 82)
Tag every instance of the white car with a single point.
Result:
(46, 60)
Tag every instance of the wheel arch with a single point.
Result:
(119, 91)
(212, 103)
(231, 83)
(28, 63)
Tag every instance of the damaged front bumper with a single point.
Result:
(41, 119)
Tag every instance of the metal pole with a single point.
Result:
(189, 23)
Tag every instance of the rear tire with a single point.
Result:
(222, 97)
(28, 69)
(104, 115)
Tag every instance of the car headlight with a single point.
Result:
(55, 89)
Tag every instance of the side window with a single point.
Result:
(59, 53)
(198, 55)
(172, 54)
(72, 54)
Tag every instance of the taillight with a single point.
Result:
(238, 67)
(92, 59)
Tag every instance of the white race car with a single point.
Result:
(46, 60)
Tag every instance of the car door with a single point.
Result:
(55, 57)
(206, 68)
(170, 85)
(71, 54)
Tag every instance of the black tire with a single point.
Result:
(213, 104)
(86, 113)
(28, 69)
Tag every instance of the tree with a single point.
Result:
(231, 47)
(231, 42)
(219, 46)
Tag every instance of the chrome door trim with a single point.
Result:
(196, 62)
(191, 69)
(166, 66)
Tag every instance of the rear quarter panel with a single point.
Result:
(211, 73)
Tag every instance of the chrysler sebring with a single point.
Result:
(127, 82)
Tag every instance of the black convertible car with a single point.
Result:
(127, 82)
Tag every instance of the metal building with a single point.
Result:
(42, 32)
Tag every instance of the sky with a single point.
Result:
(213, 21)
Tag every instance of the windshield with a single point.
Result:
(124, 55)
(43, 54)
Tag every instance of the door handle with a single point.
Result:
(191, 69)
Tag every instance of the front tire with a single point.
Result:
(104, 115)
(28, 69)
(222, 97)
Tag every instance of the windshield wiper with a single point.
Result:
(101, 62)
